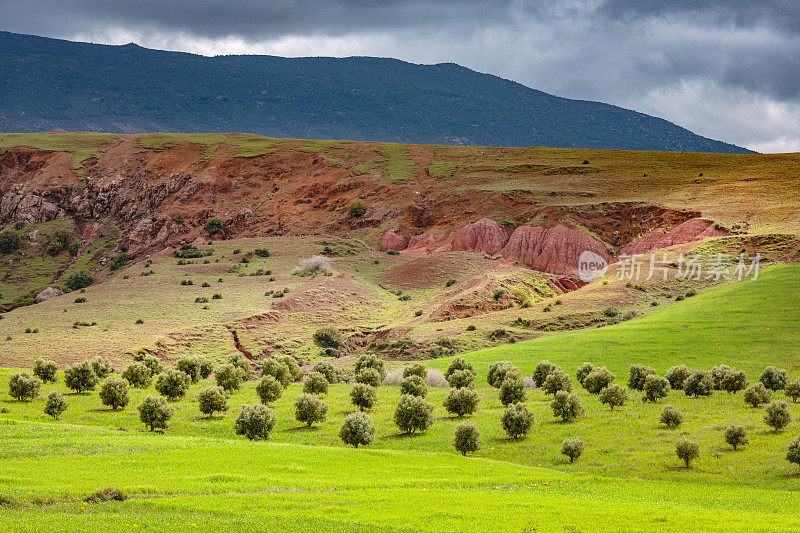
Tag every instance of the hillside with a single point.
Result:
(56, 85)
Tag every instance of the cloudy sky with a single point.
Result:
(729, 70)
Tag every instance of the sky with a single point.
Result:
(729, 70)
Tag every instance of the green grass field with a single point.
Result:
(198, 474)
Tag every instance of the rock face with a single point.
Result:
(485, 236)
(49, 292)
(425, 242)
(555, 250)
(690, 231)
(29, 207)
(393, 240)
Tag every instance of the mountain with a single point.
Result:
(51, 84)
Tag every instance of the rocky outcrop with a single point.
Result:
(690, 231)
(393, 240)
(49, 292)
(485, 236)
(30, 207)
(555, 250)
(425, 242)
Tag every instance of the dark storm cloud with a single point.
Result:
(726, 69)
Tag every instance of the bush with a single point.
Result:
(792, 390)
(461, 402)
(566, 406)
(255, 421)
(414, 385)
(155, 412)
(670, 417)
(189, 366)
(214, 225)
(456, 365)
(329, 372)
(81, 377)
(556, 381)
(261, 252)
(416, 369)
(357, 208)
(777, 415)
(718, 373)
(153, 364)
(462, 378)
(598, 379)
(614, 396)
(572, 448)
(229, 377)
(774, 378)
(370, 361)
(242, 364)
(357, 429)
(369, 376)
(413, 414)
(328, 338)
(295, 372)
(79, 280)
(698, 383)
(638, 373)
(138, 375)
(499, 371)
(114, 392)
(309, 409)
(55, 404)
(542, 370)
(277, 369)
(512, 390)
(687, 451)
(363, 396)
(736, 436)
(655, 388)
(107, 494)
(316, 384)
(583, 371)
(23, 387)
(757, 395)
(269, 389)
(212, 400)
(9, 242)
(206, 366)
(173, 384)
(467, 438)
(118, 261)
(517, 420)
(45, 370)
(793, 452)
(734, 381)
(102, 367)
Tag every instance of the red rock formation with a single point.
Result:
(425, 242)
(393, 240)
(690, 231)
(485, 235)
(555, 250)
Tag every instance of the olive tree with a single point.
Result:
(774, 378)
(542, 370)
(793, 452)
(598, 379)
(414, 385)
(55, 404)
(329, 371)
(583, 371)
(456, 365)
(512, 390)
(357, 429)
(413, 414)
(370, 361)
(638, 374)
(102, 367)
(277, 369)
(417, 369)
(461, 402)
(269, 389)
(363, 396)
(155, 412)
(793, 390)
(566, 406)
(655, 388)
(23, 387)
(736, 436)
(190, 366)
(173, 384)
(229, 377)
(670, 417)
(572, 448)
(517, 420)
(467, 438)
(309, 409)
(557, 380)
(153, 364)
(718, 374)
(676, 376)
(699, 383)
(757, 395)
(614, 396)
(255, 421)
(212, 400)
(462, 378)
(734, 381)
(138, 375)
(499, 371)
(687, 451)
(777, 415)
(316, 384)
(114, 392)
(45, 370)
(81, 377)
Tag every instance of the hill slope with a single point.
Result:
(50, 84)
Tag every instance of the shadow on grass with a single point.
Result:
(400, 435)
(306, 428)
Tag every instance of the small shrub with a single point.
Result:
(214, 225)
(107, 494)
(363, 396)
(173, 384)
(670, 417)
(556, 381)
(461, 402)
(413, 414)
(81, 377)
(357, 208)
(598, 379)
(23, 387)
(614, 396)
(757, 395)
(154, 412)
(357, 429)
(584, 370)
(638, 374)
(512, 390)
(328, 338)
(55, 405)
(736, 436)
(316, 384)
(414, 385)
(517, 420)
(269, 389)
(261, 252)
(417, 369)
(229, 377)
(572, 448)
(80, 300)
(9, 242)
(687, 451)
(777, 415)
(471, 327)
(467, 438)
(698, 383)
(255, 421)
(774, 378)
(566, 406)
(79, 280)
(45, 370)
(114, 392)
(309, 409)
(118, 261)
(655, 388)
(212, 400)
